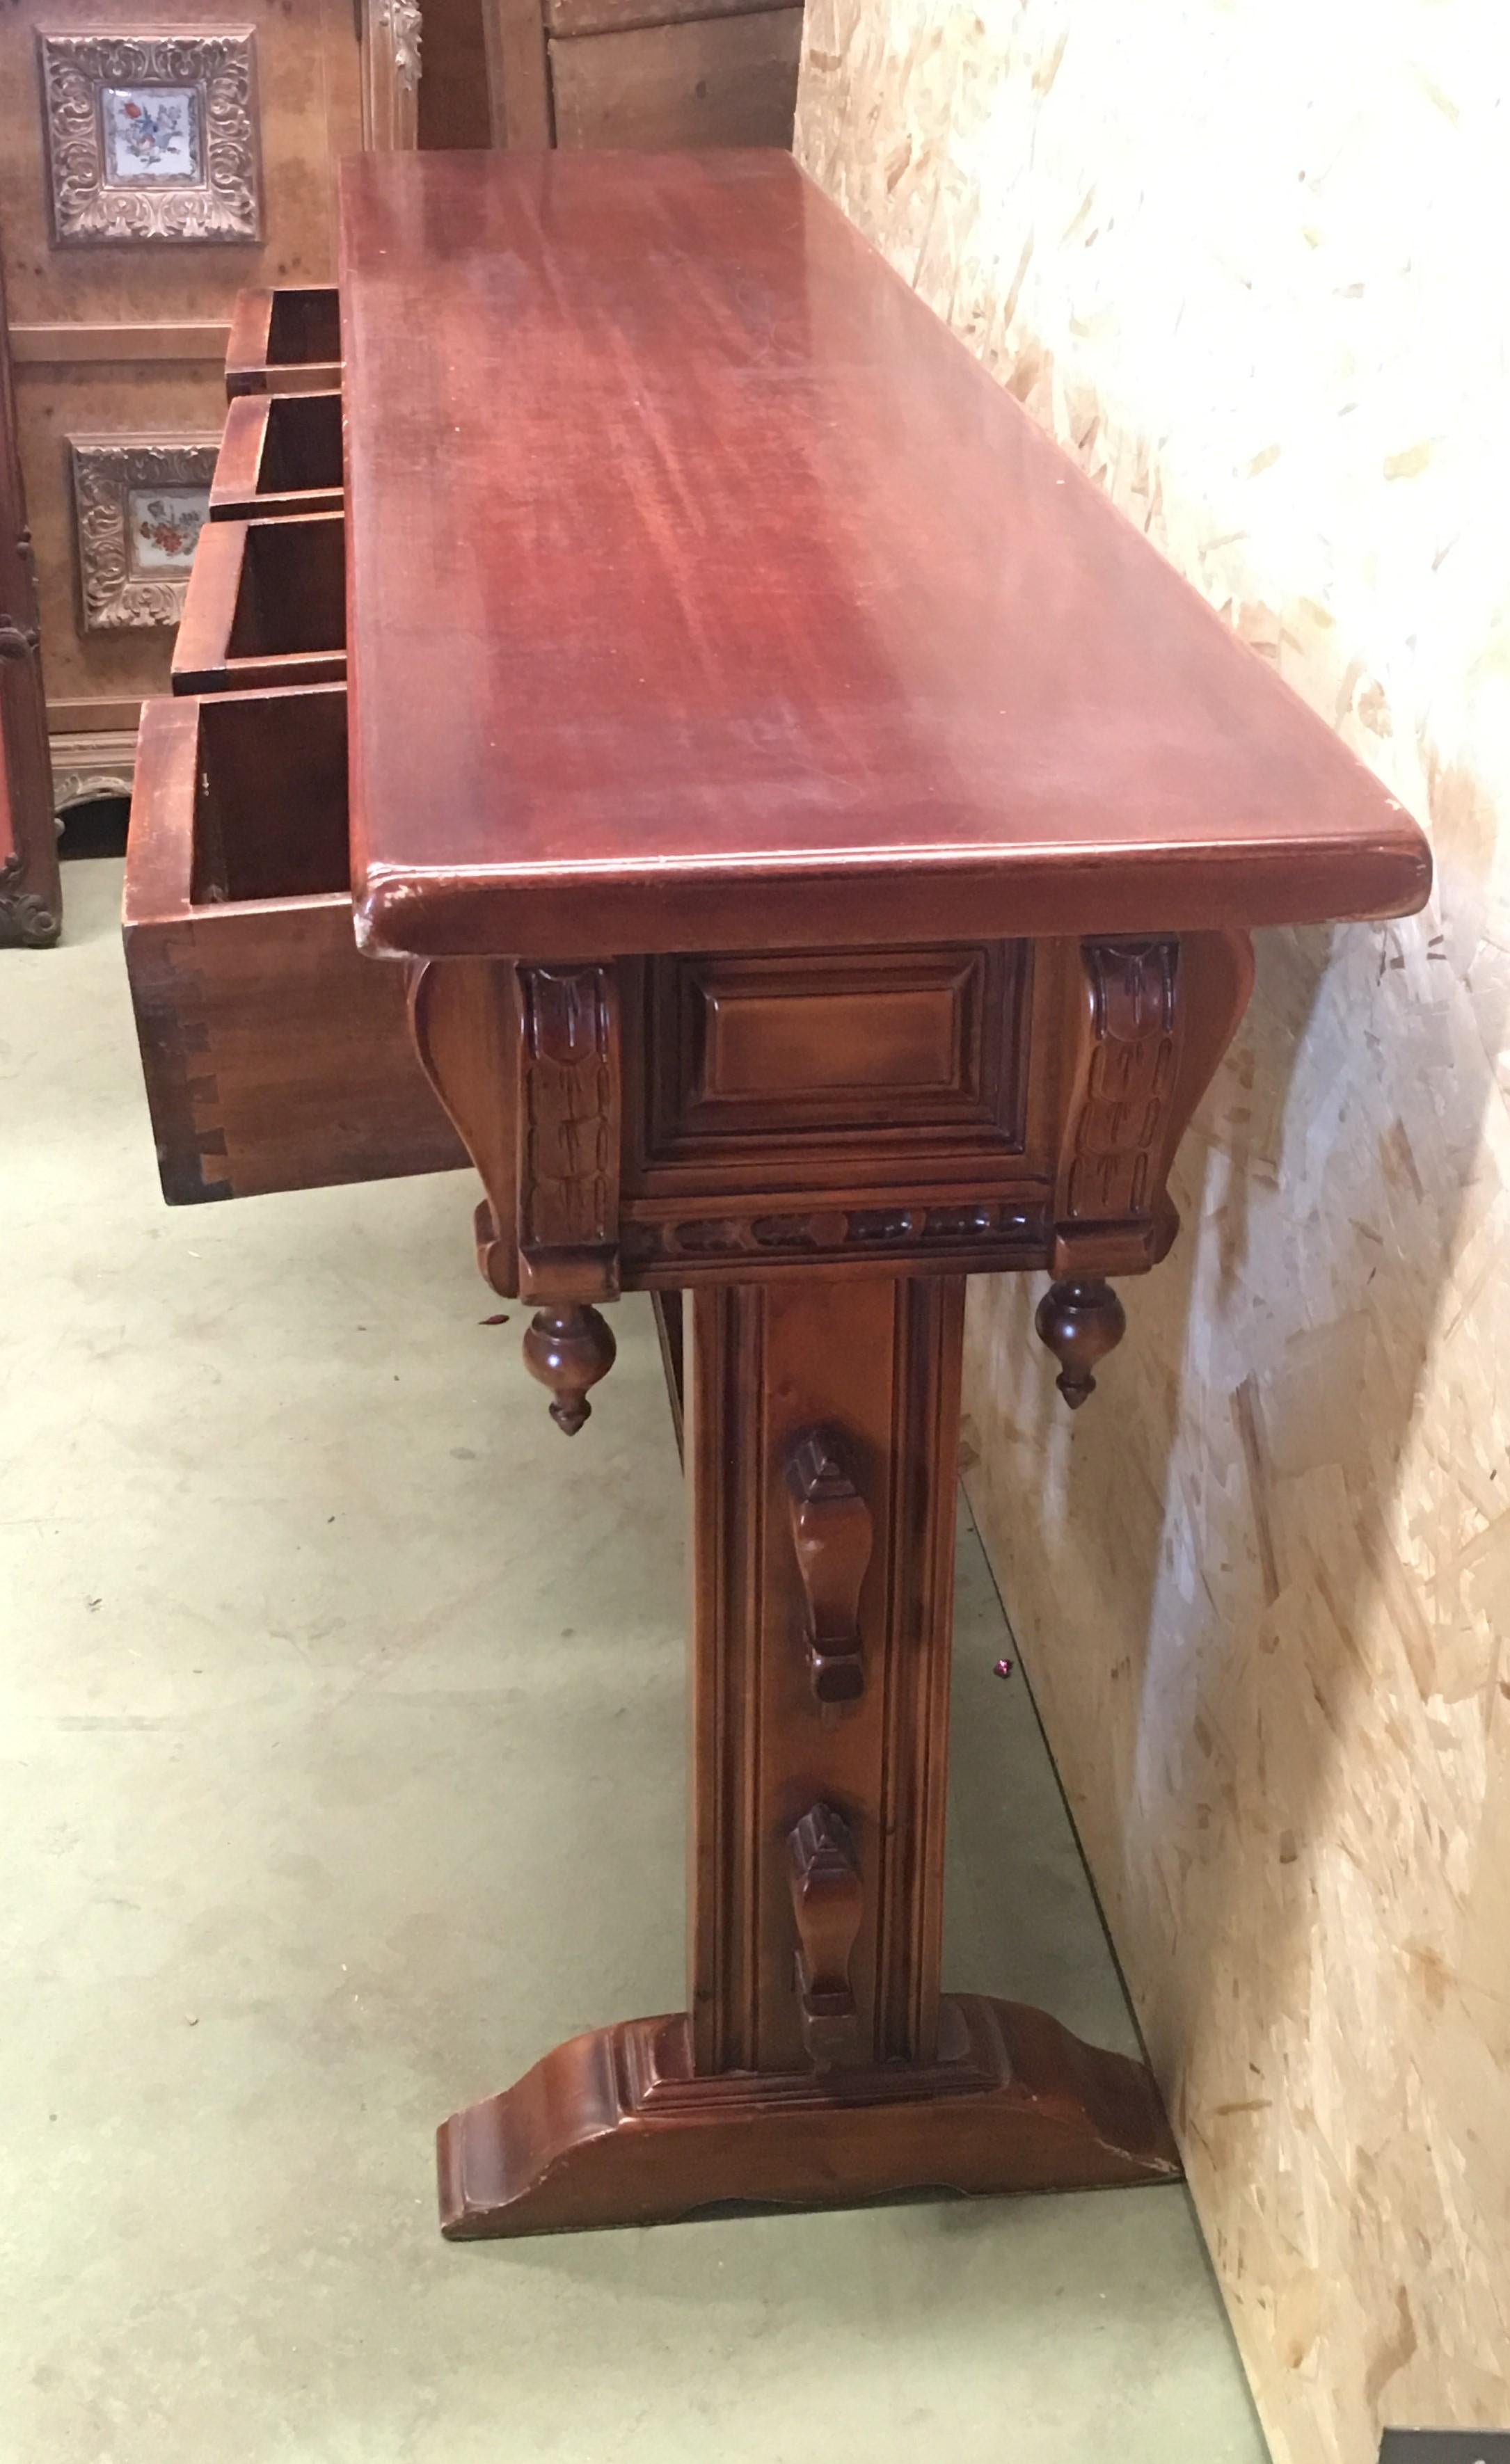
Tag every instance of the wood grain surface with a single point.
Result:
(743, 608)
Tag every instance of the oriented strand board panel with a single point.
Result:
(728, 81)
(1236, 256)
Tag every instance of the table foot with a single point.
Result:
(615, 2127)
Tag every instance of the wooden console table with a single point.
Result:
(820, 838)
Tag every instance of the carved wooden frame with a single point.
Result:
(87, 767)
(392, 33)
(88, 207)
(114, 596)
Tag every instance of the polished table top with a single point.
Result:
(705, 592)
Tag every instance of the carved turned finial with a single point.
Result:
(568, 1350)
(1081, 1323)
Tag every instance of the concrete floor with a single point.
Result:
(341, 1737)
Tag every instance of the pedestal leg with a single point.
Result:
(818, 2062)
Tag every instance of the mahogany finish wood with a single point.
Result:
(622, 2127)
(833, 1535)
(825, 840)
(1081, 1323)
(275, 1056)
(828, 1908)
(818, 2062)
(670, 1335)
(280, 453)
(569, 1346)
(861, 647)
(266, 605)
(284, 341)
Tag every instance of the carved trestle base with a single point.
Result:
(817, 2061)
(617, 2127)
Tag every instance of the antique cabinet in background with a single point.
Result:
(29, 882)
(118, 340)
(650, 73)
(156, 162)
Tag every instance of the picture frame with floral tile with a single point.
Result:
(152, 136)
(139, 504)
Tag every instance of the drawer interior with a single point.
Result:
(305, 327)
(276, 1056)
(292, 591)
(265, 605)
(302, 444)
(281, 455)
(270, 803)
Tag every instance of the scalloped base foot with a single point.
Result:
(616, 2129)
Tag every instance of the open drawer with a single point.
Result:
(276, 1057)
(284, 341)
(266, 605)
(280, 453)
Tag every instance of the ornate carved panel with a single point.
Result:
(139, 505)
(390, 70)
(827, 1906)
(568, 1133)
(746, 1068)
(1119, 1131)
(152, 137)
(987, 1233)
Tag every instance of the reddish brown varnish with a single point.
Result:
(827, 838)
(280, 453)
(738, 608)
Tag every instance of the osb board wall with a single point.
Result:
(1232, 254)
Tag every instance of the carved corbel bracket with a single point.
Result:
(568, 1134)
(828, 1903)
(1151, 1020)
(832, 1537)
(525, 1059)
(1117, 1135)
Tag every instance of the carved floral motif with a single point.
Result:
(151, 137)
(25, 920)
(401, 26)
(139, 502)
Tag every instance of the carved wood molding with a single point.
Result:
(1118, 1134)
(758, 1736)
(832, 1536)
(391, 35)
(26, 922)
(827, 1906)
(87, 767)
(110, 475)
(210, 183)
(879, 1231)
(569, 1176)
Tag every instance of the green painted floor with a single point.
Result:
(342, 1737)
